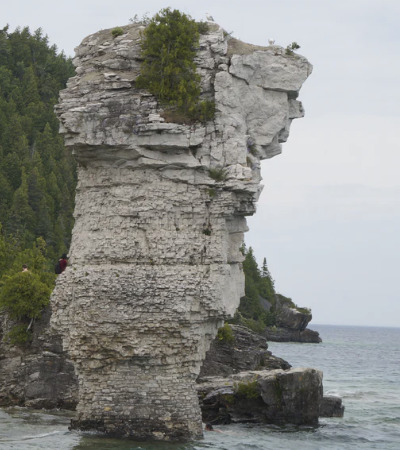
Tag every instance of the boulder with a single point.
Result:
(246, 351)
(277, 397)
(292, 318)
(331, 406)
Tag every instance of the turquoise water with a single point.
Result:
(361, 365)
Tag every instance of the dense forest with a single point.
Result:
(37, 174)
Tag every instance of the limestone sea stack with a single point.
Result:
(155, 261)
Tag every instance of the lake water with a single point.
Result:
(360, 364)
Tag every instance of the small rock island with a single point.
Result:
(155, 261)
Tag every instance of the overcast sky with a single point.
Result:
(328, 219)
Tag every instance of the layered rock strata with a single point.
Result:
(245, 351)
(291, 324)
(279, 334)
(155, 265)
(39, 375)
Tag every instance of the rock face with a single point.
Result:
(278, 334)
(331, 406)
(39, 376)
(292, 318)
(155, 265)
(276, 396)
(246, 351)
(291, 325)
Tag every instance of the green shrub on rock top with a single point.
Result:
(291, 48)
(168, 70)
(225, 334)
(117, 31)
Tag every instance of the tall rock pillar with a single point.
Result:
(155, 261)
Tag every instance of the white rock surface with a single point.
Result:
(155, 265)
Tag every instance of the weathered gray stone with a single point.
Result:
(292, 318)
(331, 406)
(271, 69)
(155, 266)
(247, 351)
(276, 396)
(279, 334)
(38, 375)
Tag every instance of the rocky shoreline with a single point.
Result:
(279, 334)
(155, 265)
(240, 380)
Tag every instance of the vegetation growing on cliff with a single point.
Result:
(247, 389)
(168, 70)
(225, 334)
(217, 173)
(37, 175)
(258, 308)
(291, 48)
(259, 295)
(117, 31)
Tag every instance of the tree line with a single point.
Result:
(37, 174)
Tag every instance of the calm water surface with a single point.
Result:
(361, 365)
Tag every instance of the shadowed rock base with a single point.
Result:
(139, 430)
(143, 413)
(178, 424)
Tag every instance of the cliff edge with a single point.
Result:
(155, 266)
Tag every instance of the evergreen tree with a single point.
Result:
(168, 71)
(21, 219)
(29, 87)
(257, 307)
(23, 295)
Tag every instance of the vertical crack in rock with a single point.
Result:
(155, 265)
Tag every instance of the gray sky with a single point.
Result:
(328, 219)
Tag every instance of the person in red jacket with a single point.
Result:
(63, 262)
